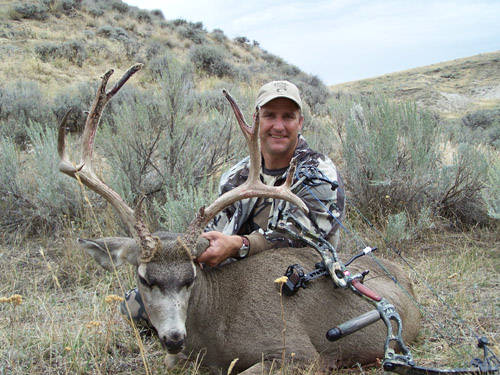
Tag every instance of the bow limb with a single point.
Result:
(405, 369)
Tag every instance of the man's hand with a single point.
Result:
(221, 247)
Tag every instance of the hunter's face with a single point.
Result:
(280, 124)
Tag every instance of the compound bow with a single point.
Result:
(400, 361)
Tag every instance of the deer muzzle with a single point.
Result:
(173, 341)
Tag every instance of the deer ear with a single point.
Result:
(111, 250)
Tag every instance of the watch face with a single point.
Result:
(243, 252)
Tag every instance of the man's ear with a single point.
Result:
(111, 250)
(301, 121)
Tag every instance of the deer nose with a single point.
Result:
(174, 342)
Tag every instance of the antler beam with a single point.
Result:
(84, 171)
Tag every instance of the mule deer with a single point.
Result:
(233, 311)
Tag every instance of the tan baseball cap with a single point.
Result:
(278, 89)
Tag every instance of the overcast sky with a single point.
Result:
(346, 40)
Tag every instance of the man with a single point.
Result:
(242, 229)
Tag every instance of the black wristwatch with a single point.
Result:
(244, 249)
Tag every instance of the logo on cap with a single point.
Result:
(280, 87)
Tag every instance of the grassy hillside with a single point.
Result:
(69, 41)
(451, 88)
(429, 190)
(60, 42)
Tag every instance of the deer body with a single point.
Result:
(234, 311)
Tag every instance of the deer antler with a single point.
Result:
(84, 171)
(253, 186)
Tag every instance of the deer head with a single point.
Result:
(165, 268)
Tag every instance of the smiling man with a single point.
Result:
(242, 229)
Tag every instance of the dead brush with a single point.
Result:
(14, 300)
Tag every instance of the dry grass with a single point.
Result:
(65, 325)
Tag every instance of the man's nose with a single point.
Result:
(279, 123)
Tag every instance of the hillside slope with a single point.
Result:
(62, 42)
(451, 88)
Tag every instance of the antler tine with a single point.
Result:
(253, 186)
(149, 243)
(100, 101)
(83, 171)
(102, 98)
(251, 136)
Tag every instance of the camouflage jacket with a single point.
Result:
(322, 191)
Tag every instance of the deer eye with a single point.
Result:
(143, 281)
(187, 282)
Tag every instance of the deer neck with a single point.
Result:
(204, 312)
(205, 296)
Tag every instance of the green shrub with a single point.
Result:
(70, 7)
(35, 11)
(243, 40)
(491, 194)
(153, 49)
(179, 22)
(95, 11)
(312, 90)
(394, 163)
(111, 32)
(119, 6)
(219, 35)
(77, 98)
(143, 16)
(484, 127)
(458, 195)
(211, 60)
(192, 32)
(158, 14)
(21, 103)
(159, 143)
(35, 196)
(181, 206)
(272, 59)
(74, 51)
